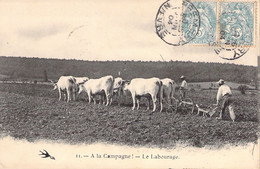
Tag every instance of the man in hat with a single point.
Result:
(225, 93)
(183, 87)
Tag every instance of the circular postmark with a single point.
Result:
(231, 53)
(177, 22)
(234, 42)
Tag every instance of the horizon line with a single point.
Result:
(133, 60)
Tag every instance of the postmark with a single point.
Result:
(231, 53)
(177, 22)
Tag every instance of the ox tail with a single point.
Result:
(72, 80)
(173, 88)
(160, 94)
(110, 90)
(74, 87)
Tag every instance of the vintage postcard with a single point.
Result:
(129, 84)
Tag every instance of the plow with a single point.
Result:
(208, 111)
(187, 105)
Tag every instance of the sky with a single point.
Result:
(94, 30)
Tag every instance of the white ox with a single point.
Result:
(142, 87)
(98, 87)
(67, 86)
(168, 89)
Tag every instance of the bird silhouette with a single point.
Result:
(46, 155)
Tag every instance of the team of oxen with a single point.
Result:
(107, 87)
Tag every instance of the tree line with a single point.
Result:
(41, 68)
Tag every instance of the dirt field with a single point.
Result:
(32, 112)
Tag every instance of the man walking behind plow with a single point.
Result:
(225, 93)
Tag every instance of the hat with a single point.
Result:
(221, 82)
(182, 77)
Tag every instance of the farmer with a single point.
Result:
(183, 87)
(225, 92)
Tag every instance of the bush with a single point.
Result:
(243, 88)
(192, 89)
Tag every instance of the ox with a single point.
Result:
(139, 87)
(168, 89)
(66, 85)
(98, 87)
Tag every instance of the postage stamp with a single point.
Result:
(237, 26)
(237, 23)
(228, 26)
(177, 22)
(207, 34)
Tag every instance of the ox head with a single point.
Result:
(55, 86)
(81, 88)
(85, 79)
(125, 84)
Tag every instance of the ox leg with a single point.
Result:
(133, 97)
(148, 106)
(154, 103)
(65, 96)
(94, 99)
(119, 97)
(102, 99)
(69, 96)
(161, 104)
(111, 100)
(108, 100)
(168, 99)
(89, 97)
(59, 94)
(74, 96)
(138, 102)
(107, 97)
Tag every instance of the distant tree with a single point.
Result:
(45, 77)
(243, 88)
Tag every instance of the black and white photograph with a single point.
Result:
(129, 84)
